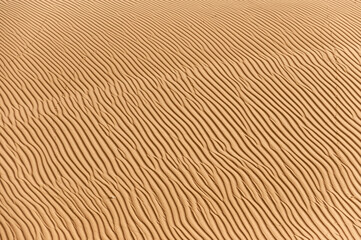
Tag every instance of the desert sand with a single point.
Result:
(180, 119)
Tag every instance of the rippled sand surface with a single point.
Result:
(182, 119)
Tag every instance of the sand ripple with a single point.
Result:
(214, 119)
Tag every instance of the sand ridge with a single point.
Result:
(214, 119)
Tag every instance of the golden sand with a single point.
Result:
(184, 119)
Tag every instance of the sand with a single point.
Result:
(184, 119)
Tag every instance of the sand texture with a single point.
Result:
(180, 119)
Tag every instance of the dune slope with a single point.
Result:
(183, 119)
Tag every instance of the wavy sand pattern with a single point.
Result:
(184, 119)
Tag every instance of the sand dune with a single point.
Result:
(215, 119)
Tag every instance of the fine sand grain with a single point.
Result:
(180, 119)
